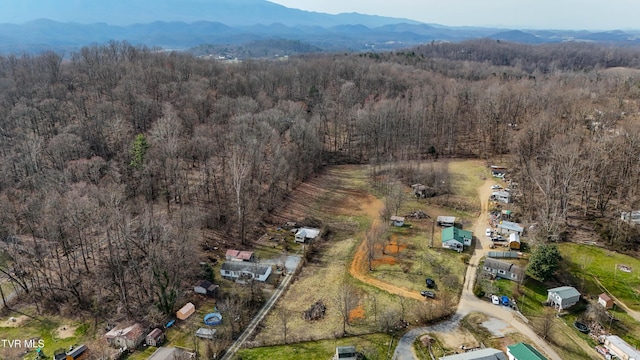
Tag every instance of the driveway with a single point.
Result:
(469, 302)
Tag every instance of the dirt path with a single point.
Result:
(358, 268)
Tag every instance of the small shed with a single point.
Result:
(205, 333)
(514, 241)
(446, 221)
(563, 297)
(237, 255)
(205, 287)
(155, 338)
(79, 353)
(509, 227)
(305, 234)
(345, 353)
(397, 221)
(186, 311)
(605, 300)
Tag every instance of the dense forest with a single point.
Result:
(120, 163)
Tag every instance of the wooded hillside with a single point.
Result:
(118, 164)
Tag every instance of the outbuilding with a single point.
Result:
(397, 221)
(563, 297)
(514, 241)
(605, 300)
(305, 234)
(446, 221)
(155, 338)
(187, 310)
(205, 287)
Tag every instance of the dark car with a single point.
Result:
(430, 283)
(429, 294)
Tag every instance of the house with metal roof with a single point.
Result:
(508, 227)
(245, 270)
(456, 239)
(563, 297)
(523, 351)
(501, 269)
(501, 196)
(482, 354)
(305, 234)
(621, 348)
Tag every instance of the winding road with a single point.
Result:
(469, 302)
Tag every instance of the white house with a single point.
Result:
(305, 234)
(509, 227)
(621, 348)
(244, 270)
(501, 196)
(563, 297)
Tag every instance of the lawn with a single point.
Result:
(373, 346)
(589, 262)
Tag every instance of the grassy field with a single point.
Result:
(373, 346)
(589, 262)
(45, 330)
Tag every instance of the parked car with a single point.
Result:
(429, 294)
(504, 300)
(430, 283)
(498, 238)
(488, 232)
(496, 187)
(495, 300)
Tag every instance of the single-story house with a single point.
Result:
(397, 221)
(205, 287)
(482, 354)
(205, 333)
(514, 241)
(621, 348)
(501, 196)
(187, 310)
(502, 269)
(508, 227)
(305, 234)
(605, 300)
(345, 353)
(563, 297)
(79, 353)
(446, 221)
(126, 338)
(456, 239)
(236, 270)
(631, 217)
(155, 338)
(171, 353)
(523, 351)
(237, 255)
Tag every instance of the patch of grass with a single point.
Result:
(586, 262)
(373, 346)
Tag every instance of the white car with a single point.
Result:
(488, 232)
(495, 300)
(496, 187)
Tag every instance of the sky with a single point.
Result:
(522, 14)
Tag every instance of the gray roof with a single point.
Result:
(246, 267)
(446, 219)
(346, 349)
(565, 292)
(511, 226)
(499, 265)
(483, 354)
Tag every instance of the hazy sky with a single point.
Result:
(547, 14)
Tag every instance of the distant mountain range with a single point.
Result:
(184, 24)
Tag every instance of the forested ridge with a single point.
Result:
(119, 164)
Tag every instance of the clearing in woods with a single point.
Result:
(341, 198)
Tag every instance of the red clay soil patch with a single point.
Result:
(384, 260)
(394, 248)
(357, 313)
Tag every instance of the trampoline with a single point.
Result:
(213, 319)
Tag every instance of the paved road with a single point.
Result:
(469, 302)
(237, 345)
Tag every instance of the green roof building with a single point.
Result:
(456, 239)
(523, 351)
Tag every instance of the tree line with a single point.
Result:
(121, 162)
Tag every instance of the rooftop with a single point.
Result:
(510, 226)
(524, 351)
(565, 291)
(483, 354)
